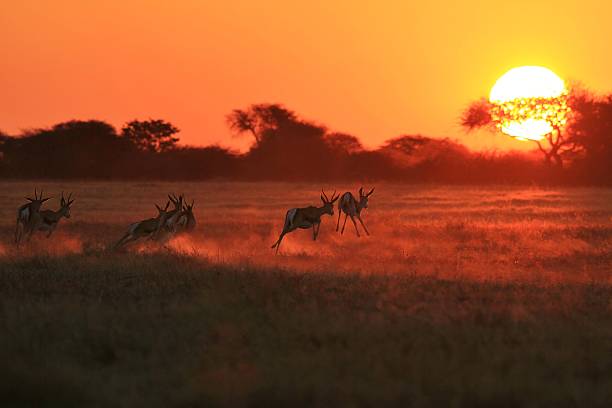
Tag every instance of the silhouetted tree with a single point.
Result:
(151, 135)
(258, 119)
(75, 149)
(414, 149)
(557, 146)
(478, 115)
(426, 159)
(592, 129)
(343, 143)
(195, 163)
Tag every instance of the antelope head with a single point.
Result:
(178, 202)
(363, 198)
(188, 208)
(328, 204)
(65, 205)
(162, 214)
(37, 201)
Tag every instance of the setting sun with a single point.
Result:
(529, 102)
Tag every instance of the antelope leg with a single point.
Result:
(363, 225)
(278, 241)
(344, 225)
(355, 224)
(17, 232)
(122, 241)
(315, 233)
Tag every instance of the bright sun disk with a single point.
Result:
(529, 102)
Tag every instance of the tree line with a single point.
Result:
(285, 147)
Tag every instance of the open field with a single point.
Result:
(461, 296)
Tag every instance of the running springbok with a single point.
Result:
(307, 217)
(28, 216)
(352, 208)
(148, 228)
(170, 226)
(174, 215)
(186, 221)
(50, 219)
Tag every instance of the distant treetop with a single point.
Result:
(151, 135)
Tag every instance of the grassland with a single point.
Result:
(461, 297)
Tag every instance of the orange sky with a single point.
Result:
(375, 71)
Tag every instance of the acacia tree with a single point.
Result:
(151, 135)
(259, 118)
(557, 145)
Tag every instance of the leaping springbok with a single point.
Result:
(50, 219)
(307, 217)
(148, 228)
(352, 208)
(28, 216)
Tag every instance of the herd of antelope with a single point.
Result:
(180, 219)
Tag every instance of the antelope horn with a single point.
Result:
(43, 199)
(324, 195)
(370, 193)
(360, 191)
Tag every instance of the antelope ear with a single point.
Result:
(370, 193)
(45, 199)
(335, 199)
(323, 199)
(360, 191)
(28, 198)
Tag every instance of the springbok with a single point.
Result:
(307, 217)
(170, 225)
(28, 216)
(352, 208)
(148, 228)
(186, 221)
(49, 219)
(174, 215)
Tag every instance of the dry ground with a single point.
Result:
(461, 296)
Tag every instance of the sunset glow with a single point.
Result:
(373, 70)
(529, 102)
